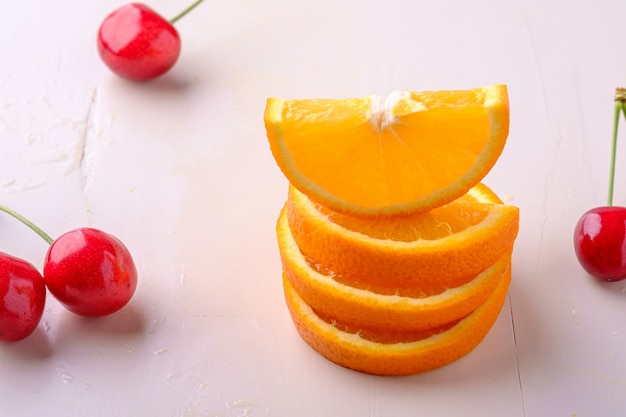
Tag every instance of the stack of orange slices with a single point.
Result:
(396, 258)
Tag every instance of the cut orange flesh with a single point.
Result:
(374, 157)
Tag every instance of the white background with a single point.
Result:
(180, 170)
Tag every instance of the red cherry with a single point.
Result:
(90, 272)
(138, 44)
(22, 298)
(600, 242)
(600, 234)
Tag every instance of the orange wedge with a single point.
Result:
(413, 256)
(373, 157)
(390, 354)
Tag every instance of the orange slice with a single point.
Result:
(413, 256)
(359, 352)
(378, 157)
(366, 309)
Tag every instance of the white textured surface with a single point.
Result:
(180, 170)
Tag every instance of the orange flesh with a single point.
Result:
(371, 158)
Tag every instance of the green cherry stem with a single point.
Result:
(28, 223)
(184, 12)
(620, 107)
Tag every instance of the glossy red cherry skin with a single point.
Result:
(90, 272)
(22, 298)
(138, 44)
(600, 242)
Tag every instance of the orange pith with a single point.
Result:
(353, 351)
(409, 153)
(416, 268)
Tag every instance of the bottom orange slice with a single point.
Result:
(363, 353)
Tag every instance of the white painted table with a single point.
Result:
(180, 170)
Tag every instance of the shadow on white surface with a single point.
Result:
(165, 84)
(35, 347)
(124, 326)
(614, 287)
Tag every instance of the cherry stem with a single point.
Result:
(620, 107)
(184, 12)
(28, 223)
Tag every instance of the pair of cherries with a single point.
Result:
(88, 271)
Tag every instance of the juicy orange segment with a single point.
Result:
(353, 350)
(413, 256)
(408, 153)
